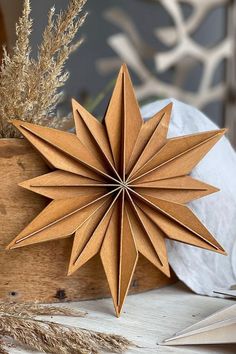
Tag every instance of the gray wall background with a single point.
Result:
(146, 14)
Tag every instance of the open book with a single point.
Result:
(219, 328)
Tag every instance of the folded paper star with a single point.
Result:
(119, 187)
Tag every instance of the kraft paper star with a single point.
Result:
(120, 187)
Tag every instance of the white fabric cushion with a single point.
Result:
(204, 271)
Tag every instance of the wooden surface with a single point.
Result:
(39, 272)
(161, 313)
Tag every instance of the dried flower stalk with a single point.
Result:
(35, 309)
(50, 337)
(2, 348)
(30, 88)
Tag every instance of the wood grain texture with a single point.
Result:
(39, 272)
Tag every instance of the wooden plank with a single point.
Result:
(161, 313)
(39, 272)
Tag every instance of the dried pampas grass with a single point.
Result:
(18, 323)
(2, 349)
(30, 88)
(35, 309)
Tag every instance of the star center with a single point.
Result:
(123, 185)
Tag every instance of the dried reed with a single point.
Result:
(50, 337)
(35, 309)
(30, 88)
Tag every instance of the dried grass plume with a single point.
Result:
(18, 323)
(30, 89)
